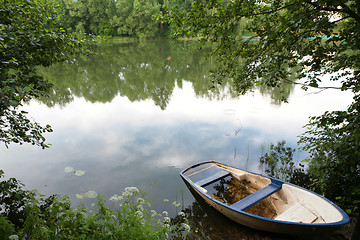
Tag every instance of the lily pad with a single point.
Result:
(79, 196)
(79, 173)
(91, 194)
(68, 169)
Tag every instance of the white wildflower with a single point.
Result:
(140, 201)
(153, 213)
(167, 225)
(139, 214)
(140, 208)
(186, 227)
(129, 191)
(166, 220)
(114, 198)
(181, 214)
(165, 213)
(132, 190)
(14, 237)
(82, 213)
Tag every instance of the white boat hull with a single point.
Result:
(299, 211)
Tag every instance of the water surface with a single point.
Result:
(136, 114)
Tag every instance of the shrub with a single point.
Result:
(38, 217)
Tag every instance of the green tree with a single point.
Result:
(300, 38)
(28, 38)
(74, 16)
(134, 18)
(333, 141)
(267, 43)
(98, 16)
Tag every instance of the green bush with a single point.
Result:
(34, 216)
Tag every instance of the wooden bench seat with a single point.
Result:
(213, 178)
(257, 196)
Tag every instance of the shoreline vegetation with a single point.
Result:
(131, 39)
(30, 215)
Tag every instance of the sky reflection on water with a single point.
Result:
(123, 143)
(132, 116)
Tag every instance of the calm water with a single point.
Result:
(136, 114)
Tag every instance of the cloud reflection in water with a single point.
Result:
(122, 143)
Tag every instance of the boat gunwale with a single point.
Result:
(345, 218)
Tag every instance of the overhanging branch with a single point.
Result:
(343, 9)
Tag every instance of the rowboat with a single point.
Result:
(262, 202)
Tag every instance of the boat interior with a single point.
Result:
(283, 201)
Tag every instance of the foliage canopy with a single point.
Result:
(28, 38)
(110, 18)
(267, 42)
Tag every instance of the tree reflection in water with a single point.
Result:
(140, 71)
